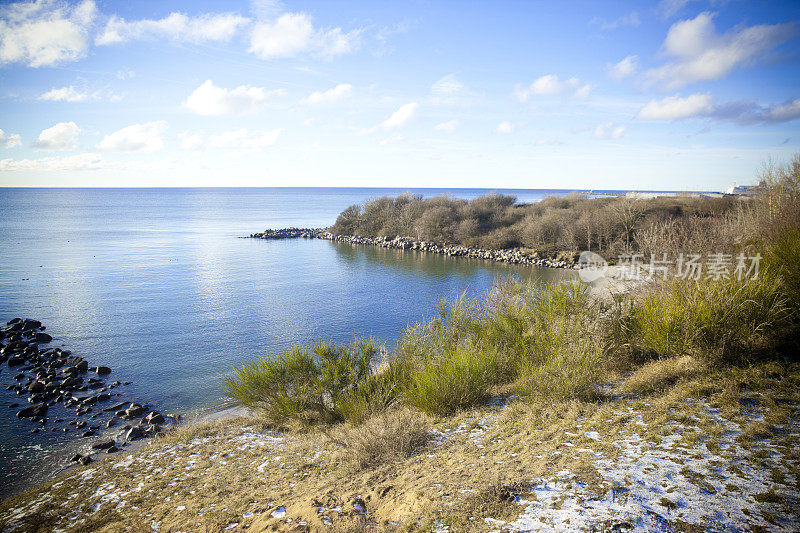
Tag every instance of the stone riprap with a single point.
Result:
(513, 256)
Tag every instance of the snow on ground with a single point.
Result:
(655, 487)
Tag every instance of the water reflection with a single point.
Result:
(440, 265)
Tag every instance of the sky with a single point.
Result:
(677, 95)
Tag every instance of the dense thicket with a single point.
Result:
(571, 223)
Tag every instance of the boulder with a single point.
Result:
(134, 433)
(153, 418)
(103, 444)
(85, 460)
(16, 360)
(36, 410)
(43, 338)
(134, 410)
(102, 370)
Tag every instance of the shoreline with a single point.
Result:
(53, 392)
(563, 260)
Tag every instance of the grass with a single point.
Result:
(385, 438)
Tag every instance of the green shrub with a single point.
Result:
(717, 319)
(457, 379)
(304, 385)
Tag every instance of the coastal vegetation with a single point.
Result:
(609, 225)
(559, 342)
(670, 401)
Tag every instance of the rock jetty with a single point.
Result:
(513, 256)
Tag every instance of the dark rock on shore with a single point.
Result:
(47, 377)
(37, 410)
(103, 444)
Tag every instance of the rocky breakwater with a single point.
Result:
(64, 394)
(513, 256)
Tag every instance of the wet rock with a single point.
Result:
(134, 433)
(153, 418)
(43, 338)
(110, 423)
(85, 460)
(16, 360)
(102, 370)
(88, 433)
(36, 386)
(112, 449)
(36, 410)
(75, 458)
(116, 407)
(103, 444)
(134, 410)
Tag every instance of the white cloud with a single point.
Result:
(670, 7)
(293, 34)
(391, 140)
(243, 139)
(608, 131)
(548, 142)
(400, 117)
(698, 53)
(447, 127)
(175, 26)
(64, 94)
(631, 19)
(447, 86)
(62, 136)
(675, 107)
(550, 85)
(506, 127)
(10, 140)
(623, 69)
(742, 112)
(343, 90)
(146, 137)
(208, 99)
(191, 141)
(785, 112)
(87, 161)
(45, 32)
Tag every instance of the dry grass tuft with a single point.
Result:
(384, 438)
(660, 375)
(494, 499)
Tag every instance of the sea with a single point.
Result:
(161, 286)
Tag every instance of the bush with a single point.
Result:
(459, 378)
(723, 319)
(304, 385)
(383, 438)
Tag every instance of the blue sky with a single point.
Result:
(676, 95)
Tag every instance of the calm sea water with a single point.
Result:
(156, 284)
